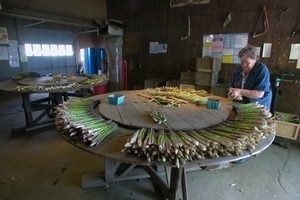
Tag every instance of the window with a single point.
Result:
(53, 50)
(48, 50)
(28, 49)
(69, 50)
(37, 50)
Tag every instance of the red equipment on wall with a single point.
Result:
(122, 64)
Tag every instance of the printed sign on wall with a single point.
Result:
(224, 46)
(3, 36)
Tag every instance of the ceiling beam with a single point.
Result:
(43, 16)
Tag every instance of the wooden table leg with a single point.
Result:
(184, 185)
(27, 109)
(177, 189)
(178, 184)
(109, 170)
(112, 174)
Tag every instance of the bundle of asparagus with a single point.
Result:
(158, 116)
(252, 124)
(77, 119)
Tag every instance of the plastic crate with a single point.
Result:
(115, 99)
(213, 103)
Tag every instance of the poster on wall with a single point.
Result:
(155, 48)
(23, 56)
(13, 54)
(295, 51)
(224, 46)
(3, 36)
(3, 53)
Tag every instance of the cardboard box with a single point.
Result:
(287, 129)
(205, 78)
(208, 64)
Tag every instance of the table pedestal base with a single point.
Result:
(170, 180)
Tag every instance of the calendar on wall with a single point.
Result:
(224, 46)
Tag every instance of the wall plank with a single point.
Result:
(156, 21)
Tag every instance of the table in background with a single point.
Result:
(45, 104)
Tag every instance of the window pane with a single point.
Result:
(69, 50)
(82, 55)
(28, 50)
(46, 50)
(61, 50)
(54, 50)
(37, 51)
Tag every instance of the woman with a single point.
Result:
(250, 82)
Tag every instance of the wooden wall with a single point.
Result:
(147, 21)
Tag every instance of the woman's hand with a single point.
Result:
(235, 93)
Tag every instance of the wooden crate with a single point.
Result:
(151, 84)
(208, 89)
(205, 78)
(186, 87)
(187, 78)
(172, 84)
(287, 129)
(208, 64)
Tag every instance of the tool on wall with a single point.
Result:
(296, 31)
(281, 16)
(227, 20)
(264, 17)
(189, 28)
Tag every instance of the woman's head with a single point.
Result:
(248, 51)
(248, 56)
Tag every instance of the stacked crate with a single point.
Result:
(173, 83)
(205, 75)
(152, 83)
(207, 71)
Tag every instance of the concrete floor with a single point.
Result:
(41, 165)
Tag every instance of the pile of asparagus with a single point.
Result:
(37, 88)
(252, 123)
(77, 119)
(91, 81)
(172, 96)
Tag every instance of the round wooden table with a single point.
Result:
(133, 114)
(50, 81)
(56, 96)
